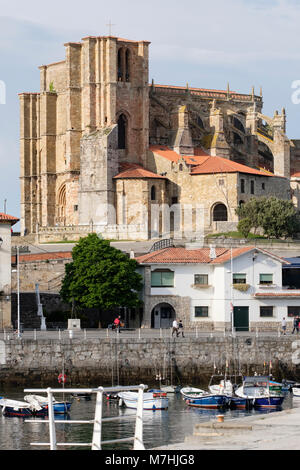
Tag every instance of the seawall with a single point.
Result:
(132, 361)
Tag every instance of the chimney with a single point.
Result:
(212, 253)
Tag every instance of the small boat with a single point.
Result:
(150, 402)
(21, 409)
(81, 396)
(168, 388)
(209, 401)
(261, 391)
(226, 387)
(192, 392)
(296, 390)
(59, 407)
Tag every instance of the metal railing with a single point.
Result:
(138, 333)
(96, 444)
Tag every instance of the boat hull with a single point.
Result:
(209, 402)
(150, 402)
(237, 403)
(268, 402)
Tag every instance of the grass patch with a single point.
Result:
(236, 235)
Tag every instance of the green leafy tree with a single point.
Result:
(245, 226)
(251, 211)
(279, 218)
(100, 276)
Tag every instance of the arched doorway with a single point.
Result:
(220, 213)
(162, 316)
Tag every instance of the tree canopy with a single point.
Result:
(278, 218)
(100, 276)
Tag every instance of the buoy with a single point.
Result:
(220, 418)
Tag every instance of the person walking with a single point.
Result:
(117, 323)
(180, 329)
(296, 325)
(175, 327)
(283, 325)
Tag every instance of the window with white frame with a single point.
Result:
(266, 279)
(201, 279)
(162, 278)
(239, 278)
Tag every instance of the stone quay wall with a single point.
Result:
(108, 361)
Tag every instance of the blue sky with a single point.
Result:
(207, 44)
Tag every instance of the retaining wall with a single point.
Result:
(131, 361)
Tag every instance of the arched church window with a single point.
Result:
(120, 65)
(122, 131)
(220, 213)
(127, 65)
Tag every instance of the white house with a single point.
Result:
(211, 287)
(6, 223)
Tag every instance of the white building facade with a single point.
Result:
(217, 289)
(6, 223)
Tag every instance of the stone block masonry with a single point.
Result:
(98, 362)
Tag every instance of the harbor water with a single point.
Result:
(160, 427)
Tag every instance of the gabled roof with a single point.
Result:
(136, 171)
(181, 255)
(8, 219)
(203, 163)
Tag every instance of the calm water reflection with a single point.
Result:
(160, 427)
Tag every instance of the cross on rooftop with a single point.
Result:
(110, 26)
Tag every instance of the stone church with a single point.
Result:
(104, 150)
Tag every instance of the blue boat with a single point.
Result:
(238, 403)
(59, 407)
(263, 392)
(208, 401)
(21, 409)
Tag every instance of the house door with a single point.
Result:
(162, 316)
(241, 318)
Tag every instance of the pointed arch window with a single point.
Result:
(120, 65)
(122, 132)
(127, 65)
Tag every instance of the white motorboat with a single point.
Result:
(59, 407)
(296, 392)
(20, 408)
(192, 392)
(222, 388)
(151, 401)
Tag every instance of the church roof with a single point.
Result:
(136, 171)
(203, 163)
(9, 219)
(223, 165)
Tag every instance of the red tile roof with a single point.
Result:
(6, 218)
(203, 163)
(296, 175)
(181, 255)
(211, 165)
(27, 258)
(136, 171)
